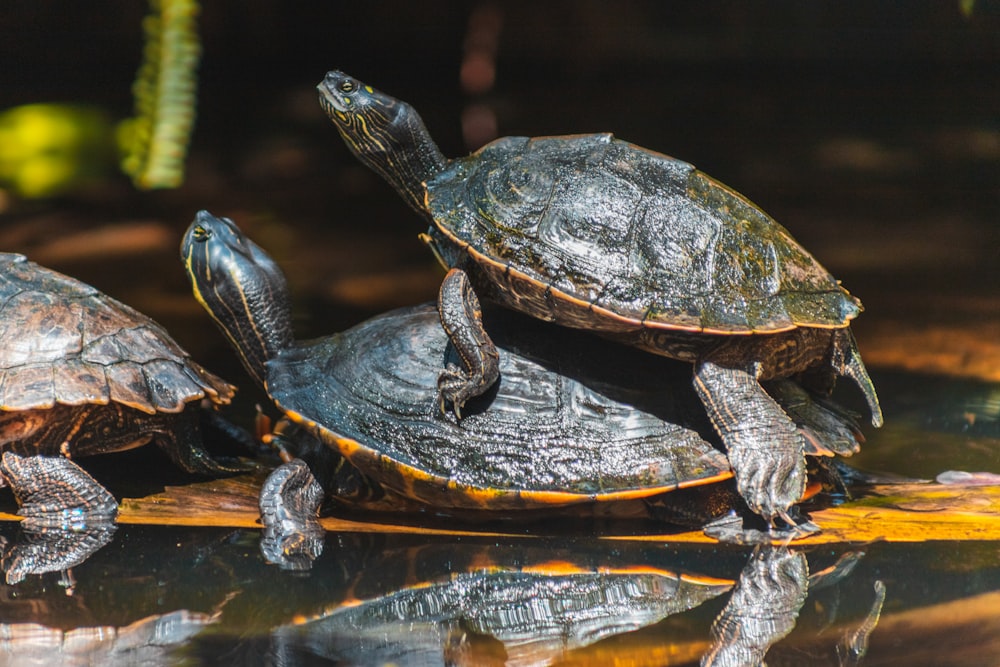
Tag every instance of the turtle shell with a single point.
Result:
(597, 232)
(66, 343)
(554, 432)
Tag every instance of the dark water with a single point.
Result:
(396, 599)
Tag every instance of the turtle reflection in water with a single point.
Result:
(41, 549)
(519, 605)
(83, 374)
(134, 603)
(592, 232)
(148, 641)
(561, 427)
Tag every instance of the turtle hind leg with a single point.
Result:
(55, 492)
(827, 427)
(179, 436)
(764, 447)
(462, 319)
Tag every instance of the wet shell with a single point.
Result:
(64, 342)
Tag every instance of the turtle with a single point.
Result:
(559, 428)
(84, 374)
(593, 232)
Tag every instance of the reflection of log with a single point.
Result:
(895, 513)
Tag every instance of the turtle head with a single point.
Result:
(386, 134)
(241, 287)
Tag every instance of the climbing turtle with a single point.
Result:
(560, 427)
(596, 233)
(83, 374)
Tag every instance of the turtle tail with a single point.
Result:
(847, 361)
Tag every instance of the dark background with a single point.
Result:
(869, 129)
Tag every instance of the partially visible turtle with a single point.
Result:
(560, 427)
(83, 374)
(596, 233)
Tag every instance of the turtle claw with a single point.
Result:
(456, 387)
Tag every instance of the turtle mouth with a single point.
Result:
(329, 99)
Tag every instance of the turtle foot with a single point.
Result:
(289, 501)
(455, 389)
(183, 445)
(763, 444)
(734, 529)
(54, 492)
(772, 478)
(197, 461)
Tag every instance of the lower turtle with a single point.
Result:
(83, 374)
(570, 421)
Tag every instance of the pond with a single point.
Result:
(870, 133)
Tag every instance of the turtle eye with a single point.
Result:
(348, 86)
(201, 234)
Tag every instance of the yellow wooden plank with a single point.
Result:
(892, 513)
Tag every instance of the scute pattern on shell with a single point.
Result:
(636, 233)
(65, 342)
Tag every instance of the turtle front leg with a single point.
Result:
(462, 319)
(289, 503)
(55, 492)
(765, 449)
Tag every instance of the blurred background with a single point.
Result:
(871, 130)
